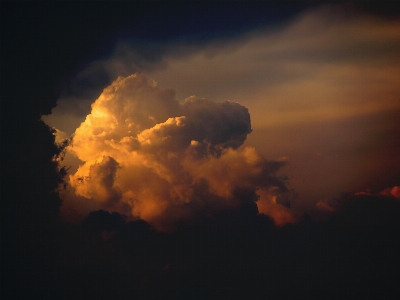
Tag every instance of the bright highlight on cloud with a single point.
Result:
(148, 156)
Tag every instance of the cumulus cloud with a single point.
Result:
(326, 80)
(148, 156)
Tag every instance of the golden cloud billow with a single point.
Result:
(148, 156)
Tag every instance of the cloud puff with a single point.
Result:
(149, 156)
(394, 192)
(269, 205)
(96, 180)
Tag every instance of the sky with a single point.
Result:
(321, 85)
(200, 150)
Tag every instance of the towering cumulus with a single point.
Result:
(148, 156)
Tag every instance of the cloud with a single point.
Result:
(394, 192)
(334, 205)
(326, 81)
(96, 180)
(391, 192)
(329, 62)
(268, 204)
(149, 156)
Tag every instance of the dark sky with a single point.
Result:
(211, 248)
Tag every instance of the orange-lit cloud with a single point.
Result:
(148, 156)
(326, 81)
(268, 205)
(394, 192)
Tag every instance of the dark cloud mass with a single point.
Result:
(351, 254)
